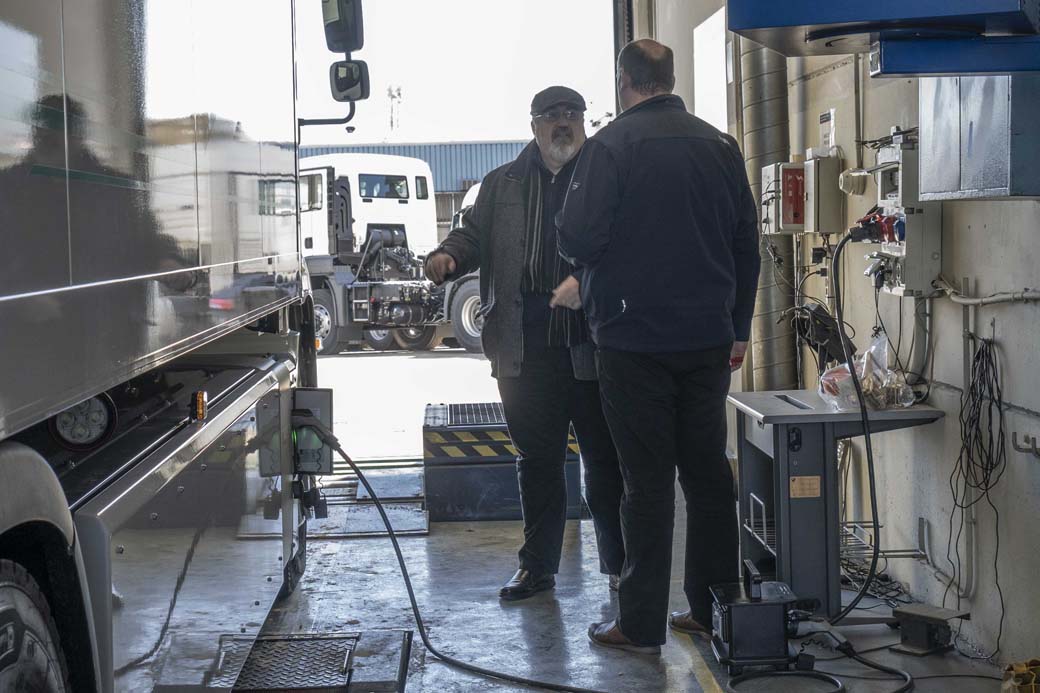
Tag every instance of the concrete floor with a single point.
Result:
(354, 584)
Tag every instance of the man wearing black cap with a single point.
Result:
(537, 340)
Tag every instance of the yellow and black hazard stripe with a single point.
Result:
(475, 444)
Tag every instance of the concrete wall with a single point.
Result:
(996, 245)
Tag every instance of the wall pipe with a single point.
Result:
(922, 340)
(767, 141)
(963, 299)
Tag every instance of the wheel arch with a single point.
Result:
(449, 296)
(37, 531)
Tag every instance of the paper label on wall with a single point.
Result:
(805, 487)
(828, 124)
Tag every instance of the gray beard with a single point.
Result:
(561, 153)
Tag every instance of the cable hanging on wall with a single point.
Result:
(980, 465)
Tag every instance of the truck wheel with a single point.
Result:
(380, 340)
(417, 338)
(466, 321)
(325, 321)
(31, 658)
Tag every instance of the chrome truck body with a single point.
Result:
(149, 228)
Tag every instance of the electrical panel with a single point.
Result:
(783, 198)
(823, 198)
(910, 257)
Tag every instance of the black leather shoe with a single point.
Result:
(525, 584)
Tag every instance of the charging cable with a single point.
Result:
(304, 418)
(857, 233)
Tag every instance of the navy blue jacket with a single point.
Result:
(660, 215)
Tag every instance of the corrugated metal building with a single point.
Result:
(456, 165)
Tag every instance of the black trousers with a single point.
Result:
(667, 412)
(540, 406)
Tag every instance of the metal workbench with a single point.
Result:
(787, 445)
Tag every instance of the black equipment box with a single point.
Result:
(750, 623)
(470, 465)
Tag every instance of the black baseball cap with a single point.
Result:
(554, 96)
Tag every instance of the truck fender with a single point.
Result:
(453, 288)
(30, 494)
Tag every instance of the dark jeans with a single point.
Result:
(540, 405)
(666, 412)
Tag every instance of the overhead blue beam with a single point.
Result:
(820, 27)
(1000, 55)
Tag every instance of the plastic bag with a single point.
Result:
(883, 388)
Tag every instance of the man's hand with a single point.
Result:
(736, 355)
(567, 294)
(439, 266)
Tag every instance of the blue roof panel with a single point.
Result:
(455, 165)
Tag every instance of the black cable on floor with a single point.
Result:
(985, 677)
(846, 648)
(304, 418)
(839, 687)
(908, 680)
(181, 577)
(867, 651)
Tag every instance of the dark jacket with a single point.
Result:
(660, 215)
(491, 239)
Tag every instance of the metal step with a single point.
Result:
(350, 662)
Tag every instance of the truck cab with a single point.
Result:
(384, 192)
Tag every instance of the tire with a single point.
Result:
(466, 322)
(36, 663)
(417, 338)
(380, 340)
(325, 322)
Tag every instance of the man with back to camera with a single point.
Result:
(661, 220)
(540, 350)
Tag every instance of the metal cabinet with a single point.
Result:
(788, 485)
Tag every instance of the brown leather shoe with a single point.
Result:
(683, 622)
(525, 584)
(608, 634)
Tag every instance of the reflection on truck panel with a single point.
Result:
(116, 235)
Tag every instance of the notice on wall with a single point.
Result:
(805, 487)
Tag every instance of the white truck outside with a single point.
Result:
(367, 223)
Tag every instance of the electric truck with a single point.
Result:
(156, 333)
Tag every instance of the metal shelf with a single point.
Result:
(766, 536)
(760, 525)
(857, 542)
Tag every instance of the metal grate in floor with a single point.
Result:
(303, 662)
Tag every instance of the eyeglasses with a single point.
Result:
(554, 116)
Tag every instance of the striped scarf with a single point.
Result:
(544, 268)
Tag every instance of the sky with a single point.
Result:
(467, 69)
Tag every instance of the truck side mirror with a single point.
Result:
(348, 80)
(344, 28)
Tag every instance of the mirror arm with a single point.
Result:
(329, 121)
